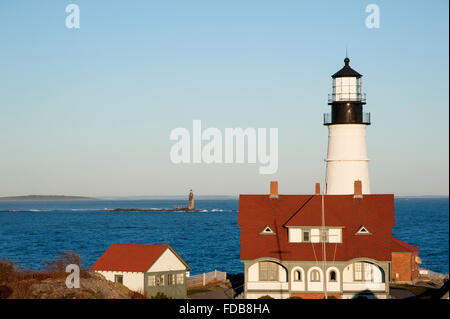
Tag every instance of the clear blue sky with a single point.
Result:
(89, 111)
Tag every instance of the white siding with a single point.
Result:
(347, 274)
(276, 295)
(268, 285)
(168, 261)
(282, 274)
(253, 272)
(133, 280)
(361, 286)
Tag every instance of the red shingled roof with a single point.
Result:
(375, 212)
(129, 257)
(400, 246)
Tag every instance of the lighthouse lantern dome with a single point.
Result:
(346, 85)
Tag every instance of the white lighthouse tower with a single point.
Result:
(347, 160)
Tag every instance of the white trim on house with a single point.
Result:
(363, 231)
(374, 279)
(167, 261)
(298, 285)
(296, 234)
(333, 286)
(133, 280)
(267, 231)
(315, 285)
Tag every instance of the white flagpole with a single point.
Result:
(324, 252)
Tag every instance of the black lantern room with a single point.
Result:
(346, 99)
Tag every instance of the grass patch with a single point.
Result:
(196, 291)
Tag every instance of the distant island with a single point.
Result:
(43, 198)
(174, 209)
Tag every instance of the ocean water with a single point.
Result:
(31, 232)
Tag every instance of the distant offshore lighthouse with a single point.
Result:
(191, 201)
(347, 159)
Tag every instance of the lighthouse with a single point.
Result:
(347, 159)
(191, 201)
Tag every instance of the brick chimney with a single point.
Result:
(317, 188)
(357, 189)
(273, 189)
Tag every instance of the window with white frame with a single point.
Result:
(315, 235)
(362, 271)
(159, 280)
(151, 281)
(268, 271)
(357, 271)
(180, 279)
(324, 236)
(170, 279)
(334, 235)
(295, 235)
(315, 276)
(297, 275)
(306, 238)
(333, 276)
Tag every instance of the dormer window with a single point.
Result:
(363, 231)
(314, 234)
(306, 236)
(267, 231)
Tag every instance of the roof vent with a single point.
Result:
(267, 231)
(363, 231)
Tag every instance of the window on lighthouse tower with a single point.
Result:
(346, 89)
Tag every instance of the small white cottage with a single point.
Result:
(145, 269)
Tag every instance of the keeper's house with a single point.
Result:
(302, 245)
(146, 269)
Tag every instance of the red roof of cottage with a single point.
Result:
(400, 246)
(374, 212)
(130, 257)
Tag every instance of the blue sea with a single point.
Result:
(32, 232)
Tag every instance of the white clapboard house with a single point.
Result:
(147, 269)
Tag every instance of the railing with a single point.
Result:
(350, 97)
(202, 280)
(366, 118)
(327, 119)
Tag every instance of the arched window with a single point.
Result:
(315, 275)
(297, 275)
(332, 275)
